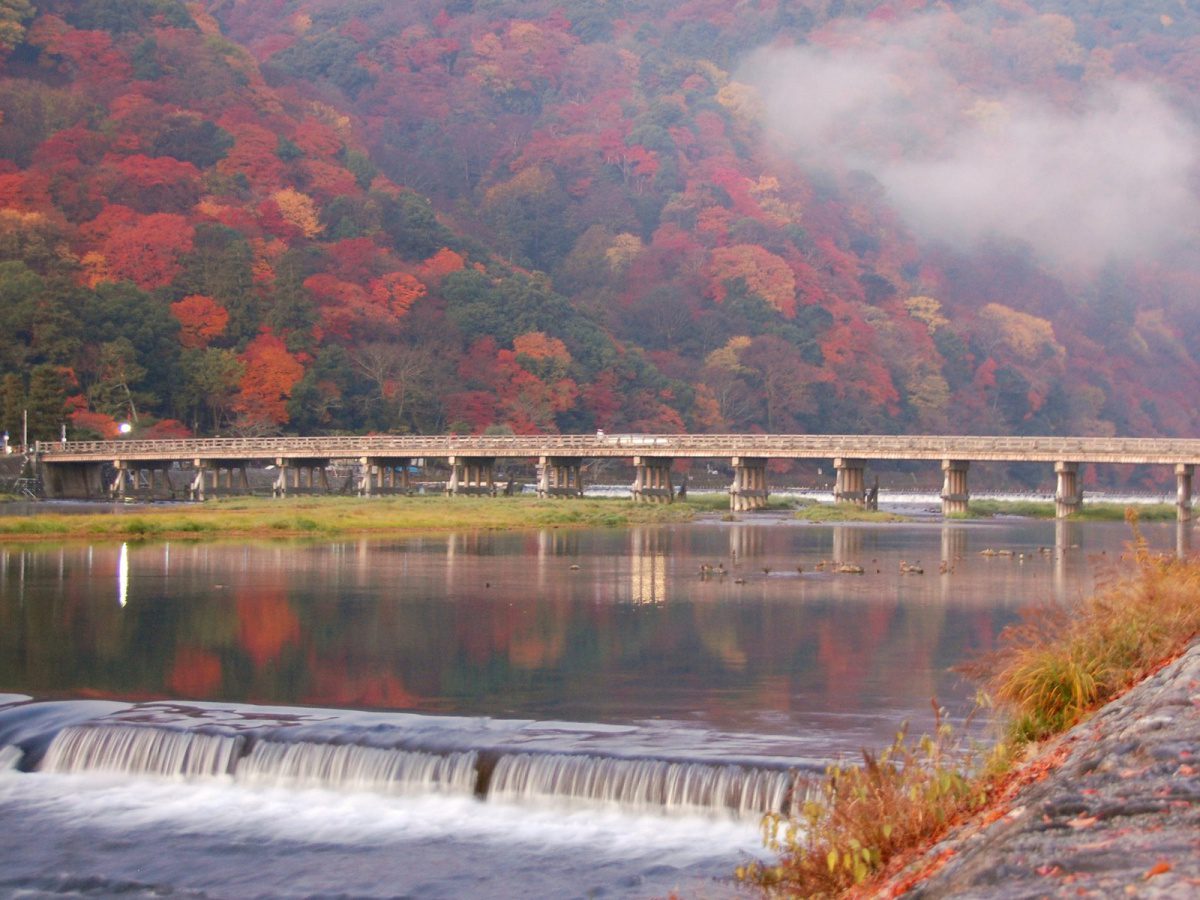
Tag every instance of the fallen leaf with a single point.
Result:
(1158, 868)
(1082, 822)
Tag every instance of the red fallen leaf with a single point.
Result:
(1158, 869)
(1082, 821)
(1046, 871)
(1187, 770)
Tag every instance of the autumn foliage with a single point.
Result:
(552, 217)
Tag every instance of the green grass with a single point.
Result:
(345, 515)
(1044, 509)
(846, 512)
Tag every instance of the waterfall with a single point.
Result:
(640, 784)
(137, 749)
(354, 767)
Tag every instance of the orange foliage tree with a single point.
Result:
(763, 272)
(201, 318)
(270, 374)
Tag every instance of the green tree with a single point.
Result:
(221, 266)
(47, 403)
(209, 385)
(12, 405)
(113, 393)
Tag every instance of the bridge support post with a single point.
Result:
(297, 475)
(72, 481)
(749, 488)
(379, 474)
(652, 479)
(1067, 495)
(119, 489)
(850, 486)
(472, 475)
(1183, 491)
(560, 476)
(196, 488)
(955, 496)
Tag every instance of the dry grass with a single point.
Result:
(858, 817)
(1063, 662)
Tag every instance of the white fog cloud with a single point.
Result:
(1107, 180)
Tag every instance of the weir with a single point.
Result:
(358, 768)
(634, 784)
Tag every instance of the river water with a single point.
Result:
(538, 714)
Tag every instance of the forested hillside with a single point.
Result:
(323, 215)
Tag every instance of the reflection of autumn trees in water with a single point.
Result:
(522, 624)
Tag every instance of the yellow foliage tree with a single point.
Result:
(1029, 338)
(623, 251)
(299, 210)
(927, 310)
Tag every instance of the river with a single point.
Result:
(543, 714)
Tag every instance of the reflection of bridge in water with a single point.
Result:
(376, 464)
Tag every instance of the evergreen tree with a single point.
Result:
(47, 403)
(12, 406)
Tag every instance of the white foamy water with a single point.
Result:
(139, 750)
(10, 757)
(643, 785)
(355, 768)
(303, 842)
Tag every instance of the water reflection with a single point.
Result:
(586, 625)
(123, 576)
(648, 565)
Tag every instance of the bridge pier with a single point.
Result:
(383, 475)
(652, 479)
(850, 486)
(217, 476)
(306, 476)
(749, 488)
(472, 475)
(560, 476)
(73, 481)
(955, 496)
(1183, 491)
(150, 479)
(1068, 497)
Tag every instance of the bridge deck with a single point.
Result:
(1158, 451)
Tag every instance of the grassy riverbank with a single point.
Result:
(863, 821)
(846, 512)
(1044, 509)
(315, 516)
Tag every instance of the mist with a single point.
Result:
(1100, 178)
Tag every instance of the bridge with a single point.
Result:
(383, 463)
